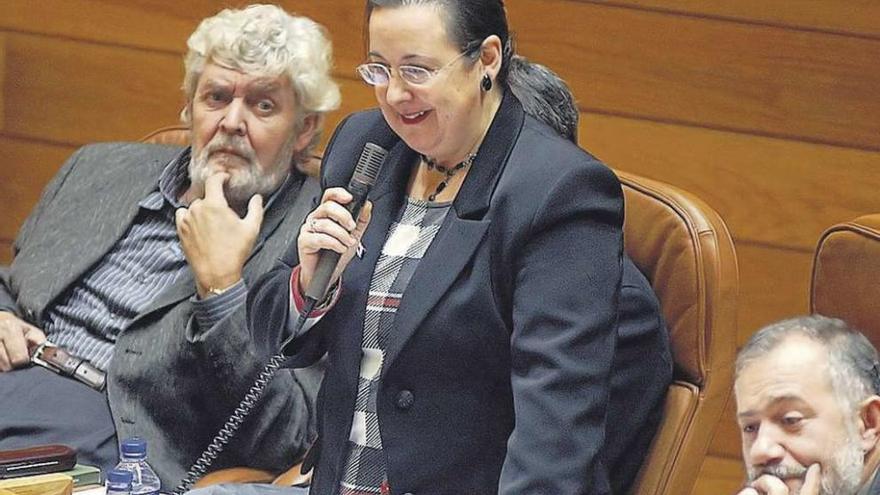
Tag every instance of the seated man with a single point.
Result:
(138, 259)
(808, 407)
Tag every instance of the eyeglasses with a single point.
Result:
(376, 74)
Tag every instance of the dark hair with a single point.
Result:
(544, 95)
(854, 364)
(467, 23)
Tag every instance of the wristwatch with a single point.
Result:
(214, 291)
(58, 360)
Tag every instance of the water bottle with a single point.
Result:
(118, 482)
(134, 460)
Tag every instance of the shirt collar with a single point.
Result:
(173, 180)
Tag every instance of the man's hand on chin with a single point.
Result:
(771, 485)
(216, 241)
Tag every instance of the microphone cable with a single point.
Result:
(247, 404)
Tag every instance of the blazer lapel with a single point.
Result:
(387, 197)
(117, 196)
(462, 232)
(446, 257)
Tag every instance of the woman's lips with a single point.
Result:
(414, 118)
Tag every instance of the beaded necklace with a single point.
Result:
(447, 172)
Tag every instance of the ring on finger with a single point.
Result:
(312, 223)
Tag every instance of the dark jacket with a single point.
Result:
(499, 373)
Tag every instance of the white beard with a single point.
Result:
(245, 180)
(842, 477)
(847, 465)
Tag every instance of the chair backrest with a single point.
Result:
(846, 275)
(177, 135)
(685, 250)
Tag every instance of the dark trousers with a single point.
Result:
(39, 407)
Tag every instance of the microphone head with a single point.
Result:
(369, 164)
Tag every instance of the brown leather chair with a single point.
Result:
(846, 271)
(685, 250)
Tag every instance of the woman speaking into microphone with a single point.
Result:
(471, 337)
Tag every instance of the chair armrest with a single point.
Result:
(235, 475)
(293, 477)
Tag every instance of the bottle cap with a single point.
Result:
(118, 476)
(134, 447)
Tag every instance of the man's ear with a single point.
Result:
(186, 114)
(869, 423)
(310, 126)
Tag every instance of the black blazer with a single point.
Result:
(499, 373)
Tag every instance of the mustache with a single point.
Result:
(230, 145)
(781, 471)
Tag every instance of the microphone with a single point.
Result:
(368, 166)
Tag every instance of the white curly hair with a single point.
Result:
(266, 40)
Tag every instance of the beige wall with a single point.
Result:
(767, 109)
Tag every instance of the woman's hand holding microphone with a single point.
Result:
(330, 226)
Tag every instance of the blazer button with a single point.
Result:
(405, 399)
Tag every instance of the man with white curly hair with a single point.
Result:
(136, 263)
(808, 408)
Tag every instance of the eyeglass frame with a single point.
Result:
(469, 49)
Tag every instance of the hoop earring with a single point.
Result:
(486, 83)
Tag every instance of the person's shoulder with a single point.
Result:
(349, 140)
(363, 118)
(542, 152)
(353, 131)
(124, 152)
(541, 138)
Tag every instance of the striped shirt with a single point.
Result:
(406, 244)
(90, 315)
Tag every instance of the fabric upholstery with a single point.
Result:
(846, 268)
(685, 250)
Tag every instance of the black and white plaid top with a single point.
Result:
(407, 241)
